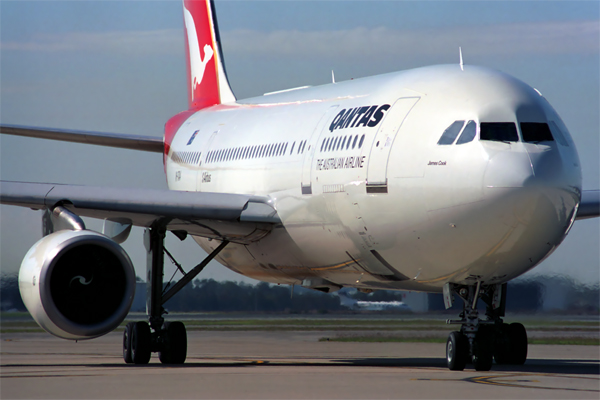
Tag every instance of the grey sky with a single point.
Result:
(118, 66)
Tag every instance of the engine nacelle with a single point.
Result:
(77, 284)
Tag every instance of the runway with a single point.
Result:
(277, 365)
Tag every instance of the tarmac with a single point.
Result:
(284, 365)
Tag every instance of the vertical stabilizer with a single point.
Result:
(207, 80)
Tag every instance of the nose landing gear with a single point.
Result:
(480, 341)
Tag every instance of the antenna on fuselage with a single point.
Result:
(460, 57)
(332, 77)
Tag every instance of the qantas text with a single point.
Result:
(359, 116)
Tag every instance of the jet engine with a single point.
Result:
(77, 284)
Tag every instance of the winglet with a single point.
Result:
(461, 59)
(207, 79)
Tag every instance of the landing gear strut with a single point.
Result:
(480, 341)
(169, 339)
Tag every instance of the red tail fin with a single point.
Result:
(207, 80)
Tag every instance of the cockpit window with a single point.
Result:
(468, 134)
(451, 133)
(499, 131)
(557, 133)
(536, 132)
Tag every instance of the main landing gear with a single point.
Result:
(169, 339)
(480, 341)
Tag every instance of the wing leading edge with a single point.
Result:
(590, 204)
(233, 217)
(132, 142)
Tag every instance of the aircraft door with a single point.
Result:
(382, 144)
(306, 182)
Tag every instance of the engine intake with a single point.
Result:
(77, 284)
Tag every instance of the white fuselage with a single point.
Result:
(385, 206)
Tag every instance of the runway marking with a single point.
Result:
(504, 380)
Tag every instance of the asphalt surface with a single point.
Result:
(278, 365)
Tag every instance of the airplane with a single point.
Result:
(372, 305)
(450, 178)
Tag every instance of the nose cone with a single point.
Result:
(508, 167)
(531, 200)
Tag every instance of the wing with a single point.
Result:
(233, 217)
(590, 204)
(132, 142)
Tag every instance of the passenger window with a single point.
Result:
(499, 132)
(362, 139)
(468, 134)
(354, 141)
(339, 144)
(344, 142)
(560, 138)
(285, 148)
(451, 133)
(330, 144)
(536, 132)
(292, 149)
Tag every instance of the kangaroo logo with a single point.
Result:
(197, 63)
(81, 280)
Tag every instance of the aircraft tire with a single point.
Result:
(175, 347)
(518, 342)
(483, 354)
(457, 351)
(127, 343)
(502, 345)
(140, 343)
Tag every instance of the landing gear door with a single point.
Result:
(306, 183)
(384, 139)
